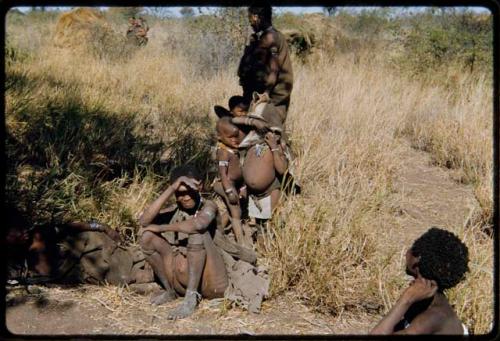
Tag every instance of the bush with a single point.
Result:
(215, 42)
(453, 37)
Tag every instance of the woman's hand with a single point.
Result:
(151, 228)
(189, 182)
(233, 197)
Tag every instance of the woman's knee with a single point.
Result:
(146, 240)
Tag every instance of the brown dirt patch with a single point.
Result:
(427, 196)
(88, 309)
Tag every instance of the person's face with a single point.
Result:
(186, 197)
(238, 111)
(17, 236)
(255, 21)
(411, 263)
(231, 136)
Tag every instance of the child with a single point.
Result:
(230, 184)
(262, 155)
(438, 261)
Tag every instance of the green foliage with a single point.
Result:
(433, 41)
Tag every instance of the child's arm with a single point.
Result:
(223, 159)
(280, 161)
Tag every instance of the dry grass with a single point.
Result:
(331, 245)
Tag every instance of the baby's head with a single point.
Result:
(238, 106)
(228, 133)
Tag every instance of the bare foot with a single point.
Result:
(187, 306)
(162, 297)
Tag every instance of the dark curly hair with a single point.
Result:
(235, 101)
(443, 257)
(186, 170)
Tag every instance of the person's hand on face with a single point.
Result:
(420, 289)
(189, 182)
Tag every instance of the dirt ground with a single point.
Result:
(426, 196)
(88, 309)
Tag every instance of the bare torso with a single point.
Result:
(258, 171)
(438, 310)
(234, 170)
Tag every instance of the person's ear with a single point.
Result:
(416, 267)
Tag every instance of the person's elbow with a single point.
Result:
(143, 222)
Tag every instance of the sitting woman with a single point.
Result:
(178, 242)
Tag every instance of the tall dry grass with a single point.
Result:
(101, 125)
(334, 243)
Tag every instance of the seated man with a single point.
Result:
(438, 261)
(229, 185)
(179, 246)
(71, 252)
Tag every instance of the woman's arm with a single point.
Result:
(96, 227)
(249, 121)
(280, 161)
(197, 224)
(152, 211)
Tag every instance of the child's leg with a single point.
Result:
(275, 198)
(241, 238)
(235, 214)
